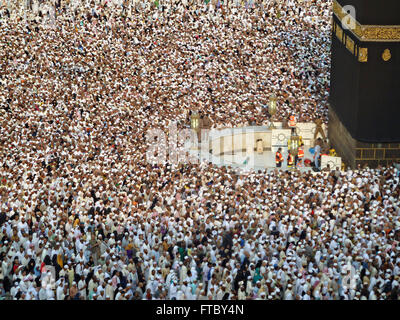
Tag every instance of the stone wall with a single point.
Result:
(341, 139)
(355, 152)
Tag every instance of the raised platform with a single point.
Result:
(230, 141)
(237, 148)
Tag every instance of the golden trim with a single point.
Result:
(386, 55)
(350, 44)
(371, 33)
(363, 54)
(347, 41)
(374, 149)
(339, 33)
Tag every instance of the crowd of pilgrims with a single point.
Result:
(83, 215)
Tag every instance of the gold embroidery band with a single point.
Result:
(360, 53)
(339, 33)
(350, 44)
(367, 32)
(363, 54)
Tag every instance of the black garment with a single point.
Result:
(227, 240)
(394, 294)
(3, 217)
(38, 282)
(153, 204)
(31, 265)
(91, 211)
(18, 295)
(224, 262)
(77, 277)
(57, 268)
(89, 276)
(123, 281)
(170, 251)
(201, 256)
(140, 274)
(47, 260)
(365, 292)
(118, 237)
(246, 276)
(93, 194)
(275, 232)
(226, 296)
(362, 273)
(100, 232)
(387, 287)
(7, 284)
(241, 276)
(246, 262)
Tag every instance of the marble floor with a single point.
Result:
(247, 161)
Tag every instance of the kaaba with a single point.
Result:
(364, 102)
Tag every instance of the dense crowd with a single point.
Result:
(83, 215)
